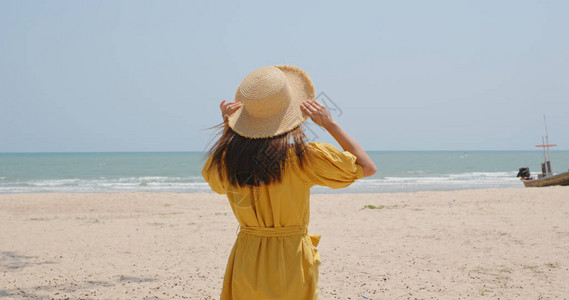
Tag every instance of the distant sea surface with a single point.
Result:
(399, 171)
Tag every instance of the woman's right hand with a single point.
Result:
(317, 112)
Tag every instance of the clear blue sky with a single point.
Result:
(408, 75)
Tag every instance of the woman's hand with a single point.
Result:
(228, 108)
(317, 112)
(321, 116)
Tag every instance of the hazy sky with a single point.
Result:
(407, 75)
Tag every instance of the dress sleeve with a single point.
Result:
(328, 166)
(212, 177)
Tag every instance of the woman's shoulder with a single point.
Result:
(312, 149)
(323, 147)
(328, 151)
(324, 164)
(318, 154)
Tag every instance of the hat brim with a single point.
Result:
(251, 127)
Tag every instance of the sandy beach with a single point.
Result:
(499, 243)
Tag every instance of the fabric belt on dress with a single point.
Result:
(281, 231)
(275, 231)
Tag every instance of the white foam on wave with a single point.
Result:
(191, 184)
(102, 184)
(472, 180)
(415, 172)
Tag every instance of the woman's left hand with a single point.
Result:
(228, 108)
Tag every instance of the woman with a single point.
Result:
(265, 167)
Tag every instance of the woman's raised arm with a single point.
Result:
(321, 116)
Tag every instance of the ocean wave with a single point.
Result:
(102, 184)
(471, 180)
(190, 184)
(415, 172)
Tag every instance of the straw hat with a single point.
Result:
(271, 98)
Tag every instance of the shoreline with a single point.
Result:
(505, 242)
(319, 191)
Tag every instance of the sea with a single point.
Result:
(180, 172)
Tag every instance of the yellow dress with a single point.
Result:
(274, 257)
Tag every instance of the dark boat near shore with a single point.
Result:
(547, 177)
(555, 179)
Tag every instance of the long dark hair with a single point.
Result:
(253, 162)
